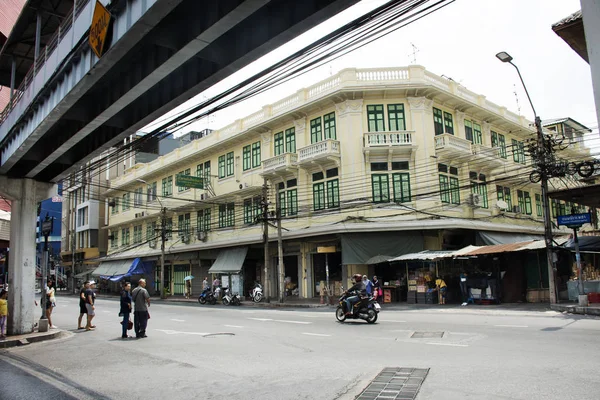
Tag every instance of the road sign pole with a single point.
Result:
(578, 262)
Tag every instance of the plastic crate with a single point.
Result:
(594, 297)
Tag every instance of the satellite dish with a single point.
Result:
(502, 204)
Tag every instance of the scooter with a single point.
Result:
(230, 298)
(206, 296)
(256, 294)
(367, 308)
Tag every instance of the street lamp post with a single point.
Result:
(163, 239)
(542, 166)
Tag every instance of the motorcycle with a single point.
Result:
(231, 298)
(367, 308)
(256, 294)
(207, 296)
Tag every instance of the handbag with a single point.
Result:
(129, 325)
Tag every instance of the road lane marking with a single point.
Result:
(177, 320)
(261, 319)
(512, 326)
(233, 326)
(292, 322)
(448, 344)
(315, 334)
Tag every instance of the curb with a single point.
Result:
(23, 340)
(573, 309)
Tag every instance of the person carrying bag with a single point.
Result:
(125, 311)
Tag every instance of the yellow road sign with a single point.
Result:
(99, 28)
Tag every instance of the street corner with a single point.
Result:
(35, 337)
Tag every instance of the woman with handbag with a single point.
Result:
(126, 310)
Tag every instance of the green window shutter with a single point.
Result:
(396, 117)
(508, 197)
(282, 203)
(292, 202)
(329, 126)
(375, 118)
(222, 214)
(538, 205)
(528, 208)
(477, 133)
(221, 167)
(246, 158)
(502, 143)
(278, 144)
(318, 196)
(230, 214)
(401, 182)
(494, 138)
(290, 140)
(256, 158)
(200, 170)
(230, 170)
(333, 193)
(515, 151)
(248, 211)
(438, 121)
(380, 188)
(315, 130)
(521, 200)
(444, 189)
(468, 130)
(448, 123)
(454, 190)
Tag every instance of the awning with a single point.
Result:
(493, 238)
(229, 261)
(425, 255)
(512, 247)
(82, 274)
(364, 248)
(117, 270)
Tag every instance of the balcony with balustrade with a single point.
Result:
(322, 153)
(383, 143)
(279, 165)
(488, 156)
(451, 148)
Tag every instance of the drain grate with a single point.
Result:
(395, 383)
(427, 335)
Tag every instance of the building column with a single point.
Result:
(24, 195)
(38, 32)
(13, 72)
(590, 10)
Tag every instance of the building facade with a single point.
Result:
(367, 163)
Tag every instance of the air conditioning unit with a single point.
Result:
(202, 236)
(111, 203)
(204, 196)
(185, 238)
(516, 209)
(140, 214)
(152, 244)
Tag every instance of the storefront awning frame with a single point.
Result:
(229, 261)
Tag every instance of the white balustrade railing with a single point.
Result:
(400, 138)
(450, 141)
(397, 74)
(321, 87)
(491, 152)
(285, 104)
(283, 160)
(315, 150)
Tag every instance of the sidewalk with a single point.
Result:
(34, 337)
(576, 309)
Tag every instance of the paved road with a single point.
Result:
(248, 353)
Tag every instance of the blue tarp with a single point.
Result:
(138, 267)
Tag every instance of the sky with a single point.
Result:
(459, 41)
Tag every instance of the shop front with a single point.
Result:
(228, 267)
(589, 248)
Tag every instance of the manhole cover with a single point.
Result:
(427, 335)
(395, 383)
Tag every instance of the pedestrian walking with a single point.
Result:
(50, 302)
(376, 287)
(3, 313)
(141, 302)
(216, 283)
(82, 307)
(90, 300)
(125, 311)
(368, 285)
(188, 288)
(205, 283)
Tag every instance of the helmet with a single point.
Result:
(357, 277)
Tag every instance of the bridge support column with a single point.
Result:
(24, 195)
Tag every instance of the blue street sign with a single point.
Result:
(575, 219)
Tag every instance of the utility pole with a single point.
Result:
(280, 266)
(265, 218)
(543, 159)
(46, 228)
(163, 239)
(73, 245)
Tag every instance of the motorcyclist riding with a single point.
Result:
(359, 289)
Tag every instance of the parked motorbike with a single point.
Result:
(230, 298)
(256, 294)
(367, 308)
(207, 296)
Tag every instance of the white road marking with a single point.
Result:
(177, 320)
(449, 344)
(233, 326)
(512, 326)
(390, 320)
(171, 332)
(292, 322)
(261, 319)
(315, 334)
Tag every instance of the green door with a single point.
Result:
(180, 272)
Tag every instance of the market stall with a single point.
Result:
(589, 247)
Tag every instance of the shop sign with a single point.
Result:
(189, 181)
(99, 29)
(575, 220)
(326, 249)
(57, 199)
